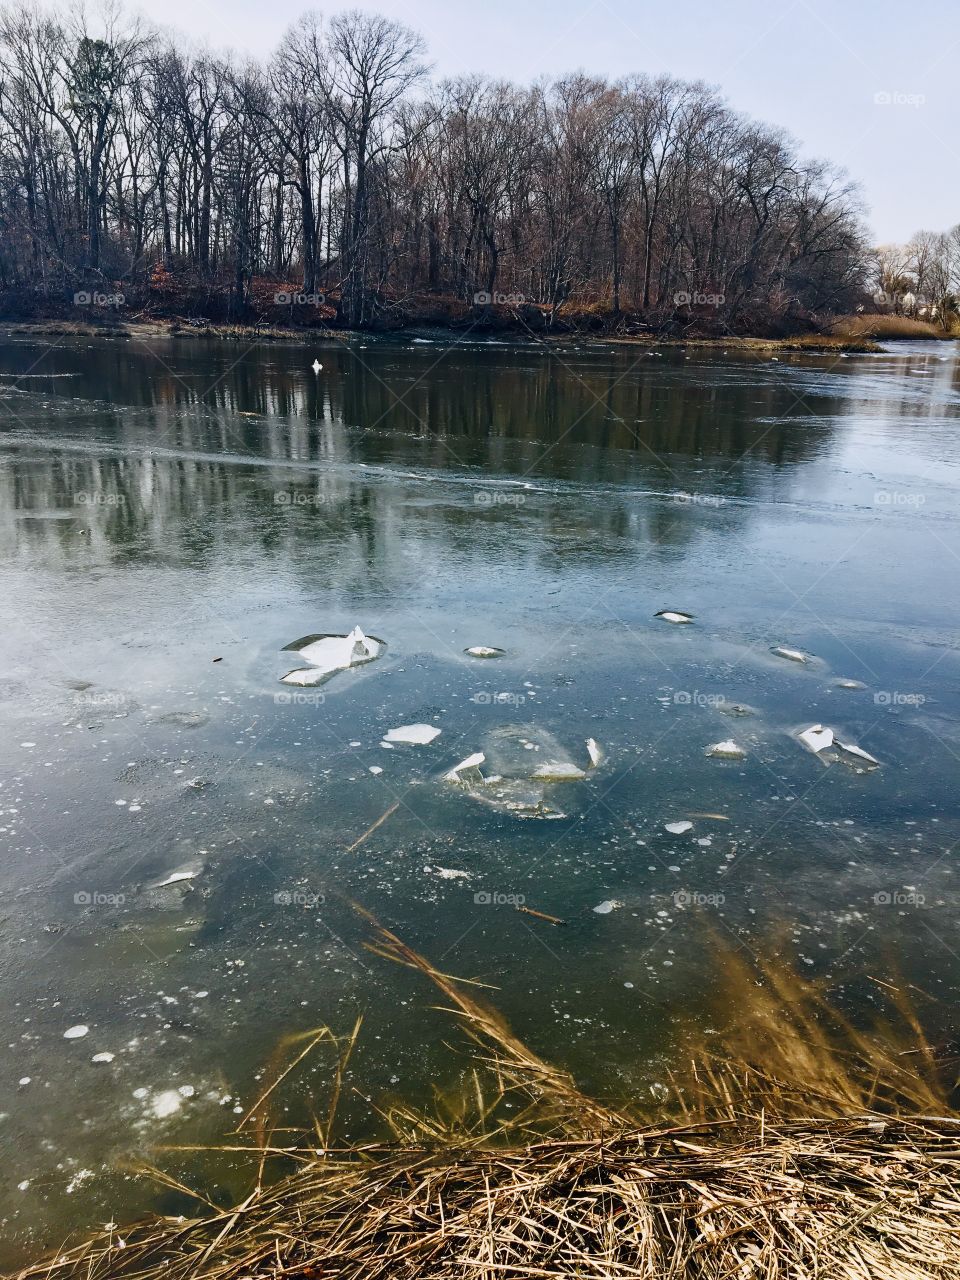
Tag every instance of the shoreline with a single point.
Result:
(817, 344)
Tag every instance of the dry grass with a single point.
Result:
(799, 1147)
(886, 326)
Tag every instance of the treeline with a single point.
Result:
(339, 169)
(920, 278)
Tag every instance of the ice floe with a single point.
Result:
(816, 738)
(417, 734)
(328, 654)
(484, 651)
(792, 655)
(678, 828)
(827, 746)
(525, 765)
(674, 615)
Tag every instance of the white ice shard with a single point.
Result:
(594, 752)
(327, 654)
(678, 828)
(175, 877)
(674, 615)
(853, 750)
(816, 738)
(418, 734)
(469, 766)
(484, 651)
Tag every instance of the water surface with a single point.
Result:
(173, 513)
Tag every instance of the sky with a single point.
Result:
(863, 83)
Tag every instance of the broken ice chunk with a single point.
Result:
(728, 750)
(594, 752)
(674, 616)
(816, 738)
(678, 828)
(328, 654)
(418, 734)
(467, 770)
(845, 683)
(792, 655)
(558, 771)
(484, 651)
(604, 908)
(76, 1033)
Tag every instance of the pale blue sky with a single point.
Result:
(815, 67)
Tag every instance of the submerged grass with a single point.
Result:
(793, 1145)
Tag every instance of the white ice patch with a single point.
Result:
(418, 734)
(594, 752)
(76, 1033)
(102, 1057)
(728, 750)
(674, 616)
(166, 1104)
(604, 908)
(484, 651)
(678, 828)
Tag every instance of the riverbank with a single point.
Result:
(144, 331)
(825, 1153)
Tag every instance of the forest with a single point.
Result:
(336, 180)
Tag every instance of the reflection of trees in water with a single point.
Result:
(631, 424)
